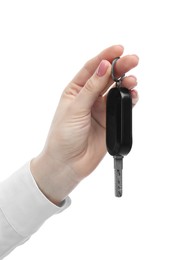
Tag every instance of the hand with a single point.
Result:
(76, 141)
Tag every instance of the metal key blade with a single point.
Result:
(118, 166)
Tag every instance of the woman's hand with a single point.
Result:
(76, 141)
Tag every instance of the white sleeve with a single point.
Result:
(23, 209)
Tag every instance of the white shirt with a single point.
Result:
(23, 209)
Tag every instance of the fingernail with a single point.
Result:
(134, 77)
(121, 46)
(134, 94)
(102, 68)
(136, 56)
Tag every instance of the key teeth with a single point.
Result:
(118, 189)
(118, 165)
(118, 183)
(118, 194)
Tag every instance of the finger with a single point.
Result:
(123, 65)
(89, 68)
(135, 97)
(129, 82)
(94, 86)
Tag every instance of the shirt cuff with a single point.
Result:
(25, 207)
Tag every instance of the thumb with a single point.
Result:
(94, 86)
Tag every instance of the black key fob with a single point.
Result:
(119, 121)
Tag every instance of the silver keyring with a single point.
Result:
(112, 71)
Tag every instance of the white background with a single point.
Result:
(42, 45)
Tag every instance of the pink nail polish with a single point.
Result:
(102, 68)
(132, 76)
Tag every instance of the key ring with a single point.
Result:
(117, 80)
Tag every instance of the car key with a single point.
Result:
(118, 126)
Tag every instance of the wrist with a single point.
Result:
(55, 180)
